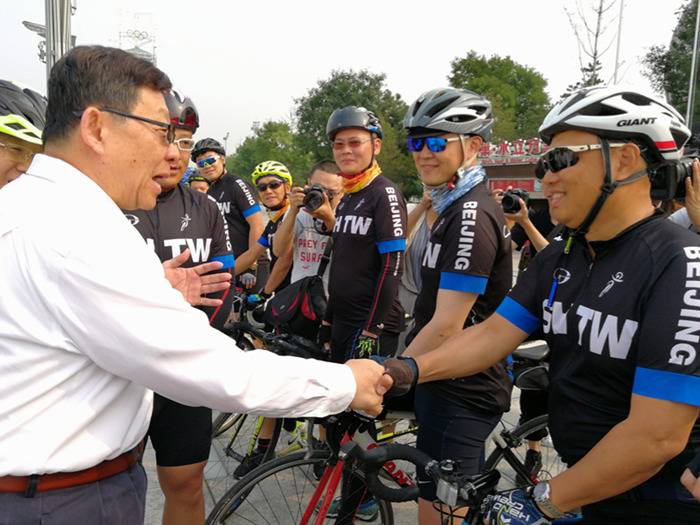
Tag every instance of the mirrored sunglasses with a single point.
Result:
(562, 157)
(205, 163)
(262, 186)
(435, 144)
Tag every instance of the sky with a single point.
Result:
(243, 62)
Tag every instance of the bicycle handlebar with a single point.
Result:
(281, 344)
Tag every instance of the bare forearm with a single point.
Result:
(284, 236)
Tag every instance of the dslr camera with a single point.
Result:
(511, 200)
(668, 180)
(313, 198)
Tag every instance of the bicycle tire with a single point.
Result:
(511, 460)
(278, 492)
(228, 450)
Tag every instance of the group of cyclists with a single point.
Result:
(613, 294)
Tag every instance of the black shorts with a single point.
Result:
(181, 435)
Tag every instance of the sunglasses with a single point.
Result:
(435, 144)
(562, 157)
(339, 144)
(262, 186)
(205, 163)
(17, 153)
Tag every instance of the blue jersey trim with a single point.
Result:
(263, 242)
(669, 386)
(250, 211)
(228, 260)
(460, 282)
(518, 315)
(394, 245)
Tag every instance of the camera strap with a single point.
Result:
(326, 257)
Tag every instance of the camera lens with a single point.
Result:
(510, 203)
(313, 200)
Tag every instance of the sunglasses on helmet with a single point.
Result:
(262, 186)
(435, 144)
(562, 157)
(205, 163)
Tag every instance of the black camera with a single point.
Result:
(668, 180)
(511, 200)
(313, 198)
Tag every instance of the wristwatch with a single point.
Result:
(540, 493)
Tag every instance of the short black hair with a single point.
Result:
(325, 165)
(96, 76)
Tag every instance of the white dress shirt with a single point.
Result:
(89, 327)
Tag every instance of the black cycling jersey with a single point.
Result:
(184, 218)
(625, 322)
(369, 238)
(469, 251)
(237, 200)
(266, 240)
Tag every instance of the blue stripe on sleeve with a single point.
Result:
(460, 282)
(394, 245)
(250, 211)
(669, 386)
(263, 242)
(518, 315)
(226, 259)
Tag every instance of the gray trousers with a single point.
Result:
(118, 500)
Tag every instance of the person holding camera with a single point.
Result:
(309, 222)
(616, 300)
(466, 272)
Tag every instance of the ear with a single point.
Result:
(92, 129)
(627, 160)
(472, 145)
(377, 143)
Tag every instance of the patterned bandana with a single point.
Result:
(444, 197)
(279, 212)
(354, 183)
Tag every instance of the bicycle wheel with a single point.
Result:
(279, 492)
(228, 450)
(508, 456)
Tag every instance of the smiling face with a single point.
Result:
(435, 168)
(571, 192)
(178, 166)
(13, 157)
(352, 161)
(270, 197)
(214, 171)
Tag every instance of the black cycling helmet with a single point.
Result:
(450, 110)
(182, 110)
(22, 112)
(197, 178)
(353, 117)
(207, 144)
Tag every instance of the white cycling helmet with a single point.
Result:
(616, 112)
(450, 110)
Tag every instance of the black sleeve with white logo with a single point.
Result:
(625, 322)
(363, 280)
(185, 219)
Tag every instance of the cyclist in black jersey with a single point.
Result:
(616, 298)
(184, 219)
(237, 201)
(466, 272)
(369, 239)
(22, 117)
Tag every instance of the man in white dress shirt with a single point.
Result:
(88, 325)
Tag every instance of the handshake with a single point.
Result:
(403, 370)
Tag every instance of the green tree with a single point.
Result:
(517, 93)
(668, 68)
(272, 140)
(350, 88)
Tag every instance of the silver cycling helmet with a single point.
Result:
(450, 110)
(618, 113)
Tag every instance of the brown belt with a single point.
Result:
(64, 480)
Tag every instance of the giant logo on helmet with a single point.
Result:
(636, 122)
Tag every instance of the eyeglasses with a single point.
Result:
(184, 144)
(435, 144)
(17, 153)
(262, 186)
(205, 163)
(339, 144)
(562, 157)
(169, 128)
